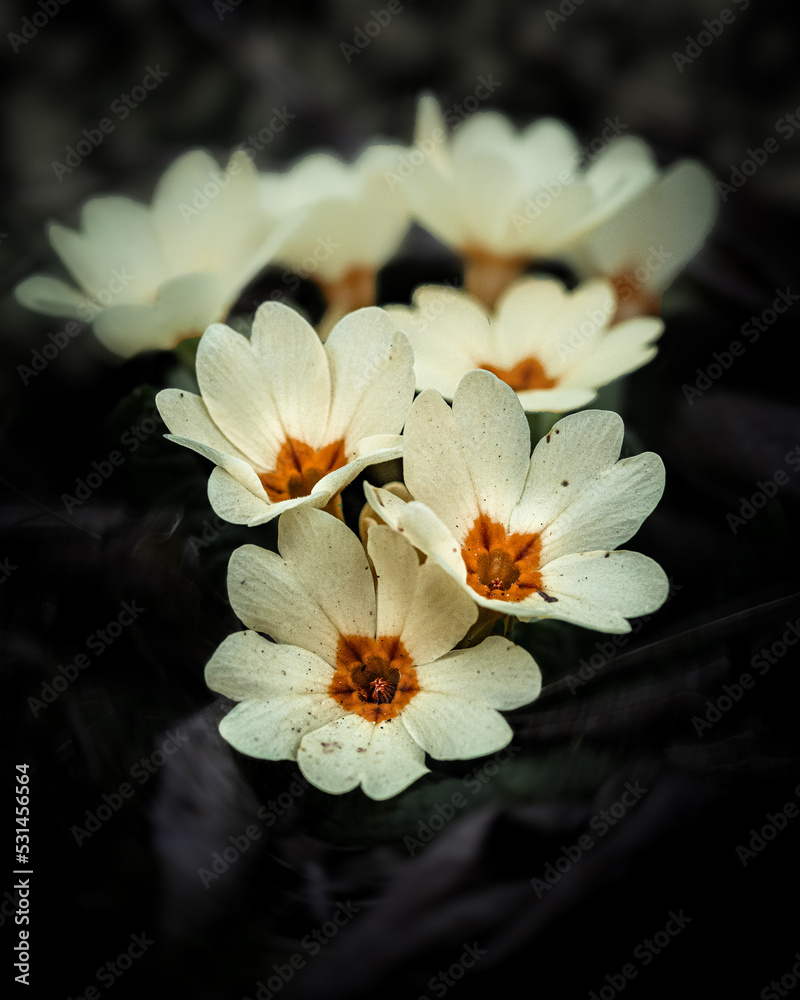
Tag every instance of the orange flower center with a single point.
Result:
(374, 678)
(526, 374)
(632, 299)
(500, 566)
(299, 467)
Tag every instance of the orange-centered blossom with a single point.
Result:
(500, 566)
(526, 374)
(375, 678)
(299, 467)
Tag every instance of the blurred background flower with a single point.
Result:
(134, 834)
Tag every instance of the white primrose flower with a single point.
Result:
(288, 420)
(502, 198)
(648, 242)
(360, 681)
(528, 535)
(149, 276)
(555, 348)
(353, 224)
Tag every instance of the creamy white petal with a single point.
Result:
(420, 525)
(624, 349)
(240, 470)
(266, 595)
(497, 442)
(329, 561)
(233, 501)
(496, 673)
(53, 297)
(435, 463)
(272, 730)
(382, 758)
(397, 569)
(246, 667)
(392, 444)
(452, 728)
(183, 307)
(254, 389)
(127, 268)
(440, 614)
(608, 511)
(600, 590)
(578, 448)
(559, 399)
(187, 416)
(372, 375)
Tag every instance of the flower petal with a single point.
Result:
(435, 463)
(272, 730)
(607, 512)
(246, 667)
(258, 390)
(600, 590)
(497, 442)
(186, 415)
(372, 376)
(421, 527)
(383, 758)
(330, 564)
(452, 728)
(53, 297)
(266, 595)
(496, 673)
(578, 448)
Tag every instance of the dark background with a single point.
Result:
(148, 536)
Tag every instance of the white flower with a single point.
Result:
(528, 535)
(555, 348)
(286, 419)
(502, 198)
(358, 685)
(353, 223)
(648, 242)
(149, 276)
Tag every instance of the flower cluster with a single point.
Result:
(365, 652)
